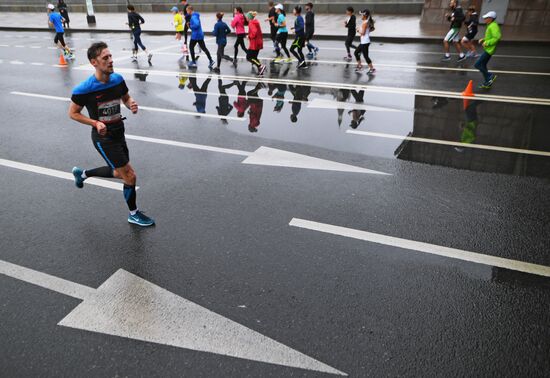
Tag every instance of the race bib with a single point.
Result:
(109, 111)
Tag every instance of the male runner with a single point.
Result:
(456, 18)
(134, 22)
(471, 23)
(187, 18)
(101, 94)
(489, 43)
(197, 37)
(310, 30)
(298, 44)
(350, 24)
(55, 20)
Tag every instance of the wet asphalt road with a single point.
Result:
(223, 238)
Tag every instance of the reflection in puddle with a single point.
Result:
(393, 125)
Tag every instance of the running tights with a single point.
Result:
(362, 49)
(349, 44)
(240, 42)
(137, 39)
(201, 44)
(297, 45)
(252, 57)
(281, 39)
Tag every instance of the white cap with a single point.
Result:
(51, 6)
(279, 6)
(491, 14)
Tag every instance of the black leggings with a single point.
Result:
(362, 49)
(349, 43)
(220, 54)
(252, 57)
(201, 44)
(137, 39)
(185, 29)
(240, 42)
(298, 44)
(59, 38)
(281, 39)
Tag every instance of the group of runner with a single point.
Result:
(104, 91)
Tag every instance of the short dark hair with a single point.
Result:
(95, 50)
(219, 15)
(130, 7)
(350, 9)
(309, 5)
(270, 3)
(298, 9)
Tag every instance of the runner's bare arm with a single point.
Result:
(75, 112)
(130, 103)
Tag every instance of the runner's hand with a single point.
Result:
(101, 128)
(133, 106)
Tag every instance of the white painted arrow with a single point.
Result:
(267, 156)
(128, 306)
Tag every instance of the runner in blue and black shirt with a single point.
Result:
(101, 94)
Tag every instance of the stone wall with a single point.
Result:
(324, 6)
(519, 13)
(528, 13)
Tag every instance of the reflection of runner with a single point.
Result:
(101, 94)
(134, 22)
(200, 93)
(256, 106)
(240, 103)
(224, 107)
(279, 95)
(55, 20)
(301, 94)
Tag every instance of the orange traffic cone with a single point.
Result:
(62, 61)
(468, 91)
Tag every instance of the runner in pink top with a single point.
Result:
(238, 25)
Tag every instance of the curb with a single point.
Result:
(321, 37)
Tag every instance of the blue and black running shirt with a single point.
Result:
(102, 100)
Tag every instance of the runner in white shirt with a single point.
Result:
(364, 30)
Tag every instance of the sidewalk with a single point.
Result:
(389, 28)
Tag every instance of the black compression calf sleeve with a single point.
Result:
(130, 196)
(99, 172)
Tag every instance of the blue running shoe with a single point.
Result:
(78, 180)
(140, 219)
(211, 64)
(192, 64)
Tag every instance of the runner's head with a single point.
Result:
(270, 4)
(453, 4)
(183, 2)
(471, 9)
(489, 17)
(190, 10)
(238, 10)
(349, 11)
(251, 15)
(365, 14)
(219, 15)
(279, 8)
(100, 57)
(51, 8)
(297, 10)
(309, 6)
(130, 8)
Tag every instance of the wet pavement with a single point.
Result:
(470, 174)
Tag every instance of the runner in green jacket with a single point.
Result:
(489, 43)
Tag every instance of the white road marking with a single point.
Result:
(433, 249)
(450, 143)
(188, 145)
(147, 108)
(333, 85)
(36, 47)
(37, 64)
(269, 156)
(53, 48)
(59, 174)
(19, 46)
(18, 62)
(4, 45)
(59, 285)
(128, 306)
(321, 103)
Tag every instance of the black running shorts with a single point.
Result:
(59, 38)
(113, 150)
